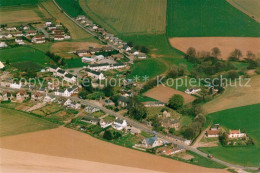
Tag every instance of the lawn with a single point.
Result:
(150, 67)
(201, 161)
(75, 31)
(18, 2)
(128, 17)
(189, 18)
(15, 122)
(248, 118)
(24, 54)
(249, 7)
(75, 63)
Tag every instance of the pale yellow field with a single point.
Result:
(225, 44)
(75, 31)
(236, 97)
(249, 7)
(18, 16)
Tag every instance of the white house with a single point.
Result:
(67, 37)
(95, 74)
(236, 134)
(66, 92)
(212, 133)
(12, 28)
(67, 102)
(16, 85)
(87, 59)
(48, 23)
(141, 56)
(48, 99)
(1, 65)
(80, 17)
(3, 44)
(127, 48)
(59, 37)
(53, 69)
(8, 35)
(82, 53)
(38, 40)
(117, 66)
(30, 33)
(18, 34)
(192, 91)
(119, 124)
(70, 78)
(60, 73)
(105, 123)
(99, 67)
(75, 105)
(152, 142)
(153, 104)
(90, 109)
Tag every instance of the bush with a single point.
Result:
(176, 101)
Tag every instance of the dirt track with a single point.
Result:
(225, 44)
(68, 143)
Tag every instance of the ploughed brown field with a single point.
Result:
(67, 143)
(225, 44)
(163, 94)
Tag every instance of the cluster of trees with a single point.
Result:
(176, 102)
(136, 109)
(177, 71)
(57, 59)
(109, 135)
(143, 49)
(149, 85)
(195, 127)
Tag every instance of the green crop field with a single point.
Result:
(187, 18)
(71, 7)
(149, 67)
(24, 54)
(249, 7)
(131, 16)
(18, 2)
(15, 122)
(248, 118)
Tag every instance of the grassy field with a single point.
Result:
(149, 67)
(18, 2)
(75, 31)
(187, 18)
(24, 54)
(248, 118)
(132, 16)
(71, 7)
(249, 7)
(236, 97)
(12, 16)
(16, 122)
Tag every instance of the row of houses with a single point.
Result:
(214, 132)
(68, 77)
(93, 50)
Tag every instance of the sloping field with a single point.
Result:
(236, 97)
(15, 122)
(189, 18)
(44, 163)
(163, 94)
(249, 7)
(131, 16)
(71, 7)
(63, 142)
(225, 44)
(75, 31)
(248, 118)
(19, 15)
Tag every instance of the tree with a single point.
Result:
(250, 55)
(171, 130)
(130, 43)
(108, 91)
(7, 62)
(182, 69)
(87, 84)
(191, 55)
(173, 73)
(235, 55)
(176, 101)
(144, 49)
(191, 52)
(83, 94)
(108, 135)
(215, 52)
(232, 74)
(136, 109)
